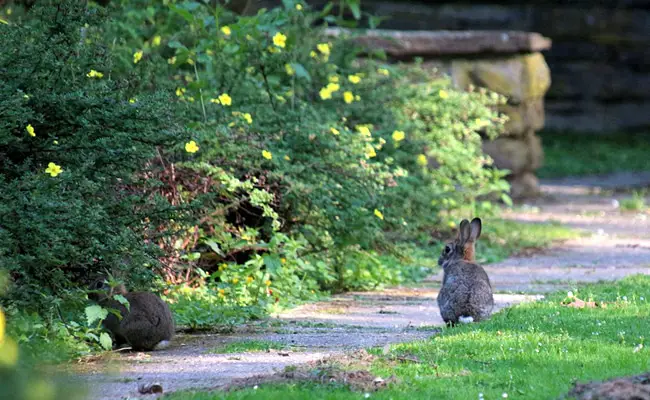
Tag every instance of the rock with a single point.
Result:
(635, 387)
(406, 44)
(524, 186)
(525, 117)
(515, 154)
(519, 77)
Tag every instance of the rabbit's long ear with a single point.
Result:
(464, 231)
(475, 231)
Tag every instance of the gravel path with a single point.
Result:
(619, 245)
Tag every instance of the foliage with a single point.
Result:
(599, 154)
(535, 351)
(73, 198)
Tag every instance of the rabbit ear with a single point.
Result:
(464, 231)
(475, 231)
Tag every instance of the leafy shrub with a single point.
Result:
(73, 148)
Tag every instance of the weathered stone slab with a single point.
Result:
(519, 155)
(404, 44)
(524, 117)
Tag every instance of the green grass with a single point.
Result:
(247, 346)
(571, 154)
(634, 203)
(530, 351)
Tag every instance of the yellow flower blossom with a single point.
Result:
(225, 99)
(443, 94)
(94, 74)
(383, 71)
(370, 151)
(2, 326)
(191, 147)
(267, 154)
(226, 30)
(333, 78)
(180, 92)
(223, 266)
(289, 69)
(422, 160)
(354, 79)
(267, 283)
(8, 347)
(53, 169)
(137, 56)
(155, 42)
(248, 118)
(398, 136)
(334, 131)
(348, 97)
(364, 130)
(249, 280)
(132, 100)
(312, 54)
(325, 94)
(299, 7)
(283, 260)
(333, 87)
(324, 48)
(379, 214)
(280, 40)
(171, 60)
(55, 141)
(222, 292)
(30, 129)
(235, 281)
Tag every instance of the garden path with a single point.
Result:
(618, 244)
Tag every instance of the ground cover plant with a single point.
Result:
(533, 351)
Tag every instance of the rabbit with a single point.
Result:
(466, 293)
(147, 324)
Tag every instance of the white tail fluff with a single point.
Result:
(163, 344)
(465, 320)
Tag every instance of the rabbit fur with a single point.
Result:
(148, 325)
(466, 293)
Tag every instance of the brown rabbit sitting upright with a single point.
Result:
(466, 293)
(147, 324)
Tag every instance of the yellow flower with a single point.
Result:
(55, 141)
(267, 283)
(137, 56)
(333, 78)
(133, 100)
(190, 99)
(364, 130)
(53, 169)
(248, 118)
(348, 97)
(370, 151)
(443, 94)
(249, 280)
(383, 71)
(156, 41)
(334, 131)
(312, 54)
(354, 79)
(180, 92)
(280, 40)
(325, 93)
(298, 7)
(235, 281)
(267, 154)
(289, 69)
(2, 326)
(94, 74)
(422, 160)
(222, 292)
(324, 48)
(333, 87)
(8, 348)
(30, 129)
(287, 158)
(171, 60)
(283, 260)
(398, 136)
(223, 266)
(191, 147)
(225, 99)
(226, 30)
(379, 214)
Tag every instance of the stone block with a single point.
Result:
(518, 155)
(519, 77)
(524, 117)
(525, 185)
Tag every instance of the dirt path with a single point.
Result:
(619, 245)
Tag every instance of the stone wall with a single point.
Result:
(600, 60)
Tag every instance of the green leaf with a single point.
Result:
(215, 247)
(272, 263)
(175, 44)
(106, 341)
(355, 7)
(122, 300)
(301, 72)
(231, 48)
(187, 16)
(95, 313)
(506, 199)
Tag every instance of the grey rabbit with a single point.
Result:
(466, 293)
(147, 324)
